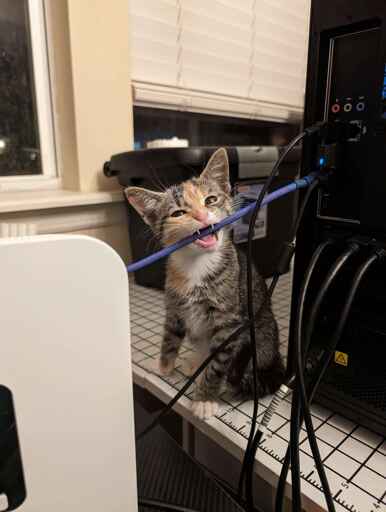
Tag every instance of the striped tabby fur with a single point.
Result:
(205, 291)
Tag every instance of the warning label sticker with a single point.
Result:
(341, 358)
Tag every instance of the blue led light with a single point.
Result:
(322, 161)
(384, 85)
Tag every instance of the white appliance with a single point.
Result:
(64, 355)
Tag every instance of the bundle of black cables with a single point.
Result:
(301, 409)
(246, 325)
(247, 469)
(252, 443)
(303, 395)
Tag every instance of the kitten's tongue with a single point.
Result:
(206, 241)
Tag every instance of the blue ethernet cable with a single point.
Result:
(166, 251)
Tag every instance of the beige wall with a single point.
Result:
(112, 235)
(89, 61)
(99, 42)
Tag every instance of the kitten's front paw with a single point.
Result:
(166, 368)
(158, 368)
(188, 367)
(204, 409)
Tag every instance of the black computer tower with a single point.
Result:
(346, 81)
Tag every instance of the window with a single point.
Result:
(242, 59)
(27, 149)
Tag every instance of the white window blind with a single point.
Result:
(245, 58)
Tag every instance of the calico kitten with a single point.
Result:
(205, 290)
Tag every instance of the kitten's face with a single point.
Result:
(183, 209)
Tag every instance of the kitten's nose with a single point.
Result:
(200, 215)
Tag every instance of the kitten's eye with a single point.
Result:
(178, 213)
(210, 200)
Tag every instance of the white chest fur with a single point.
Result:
(196, 266)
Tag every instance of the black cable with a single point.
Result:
(245, 459)
(272, 284)
(280, 492)
(306, 401)
(331, 275)
(190, 381)
(309, 131)
(303, 207)
(299, 350)
(326, 360)
(298, 401)
(290, 248)
(342, 321)
(286, 463)
(224, 484)
(294, 405)
(162, 505)
(250, 467)
(250, 301)
(286, 258)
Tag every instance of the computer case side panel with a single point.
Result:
(346, 81)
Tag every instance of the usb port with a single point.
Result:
(358, 131)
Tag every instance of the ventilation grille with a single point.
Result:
(364, 388)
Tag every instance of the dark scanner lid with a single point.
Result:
(245, 162)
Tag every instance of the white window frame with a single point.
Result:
(49, 179)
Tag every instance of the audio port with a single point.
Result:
(335, 108)
(361, 106)
(347, 107)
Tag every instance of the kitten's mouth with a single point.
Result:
(207, 242)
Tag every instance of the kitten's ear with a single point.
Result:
(146, 202)
(217, 169)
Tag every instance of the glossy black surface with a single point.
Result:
(207, 130)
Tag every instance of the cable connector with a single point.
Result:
(315, 128)
(334, 131)
(360, 240)
(354, 246)
(378, 248)
(380, 252)
(280, 394)
(339, 131)
(307, 180)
